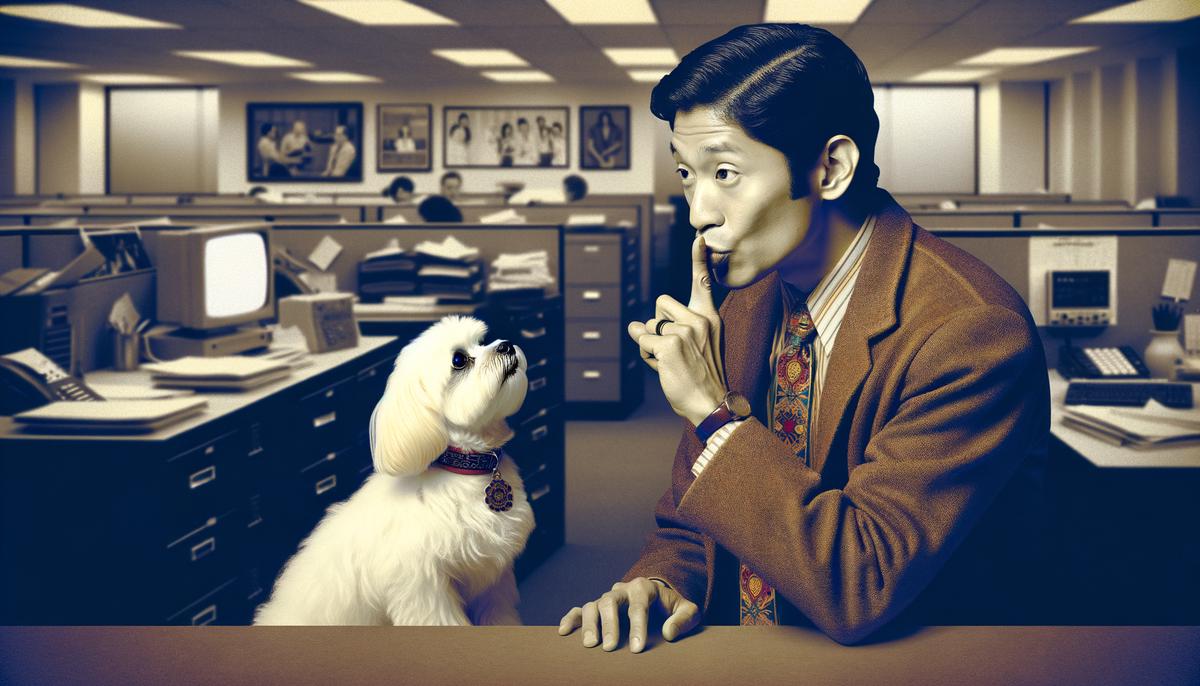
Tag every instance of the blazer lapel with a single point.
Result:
(872, 311)
(748, 325)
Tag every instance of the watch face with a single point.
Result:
(737, 404)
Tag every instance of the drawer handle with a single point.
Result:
(537, 383)
(209, 450)
(545, 361)
(591, 248)
(329, 393)
(202, 477)
(324, 419)
(539, 493)
(539, 433)
(327, 483)
(631, 257)
(205, 617)
(591, 373)
(591, 295)
(204, 548)
(535, 333)
(631, 365)
(591, 335)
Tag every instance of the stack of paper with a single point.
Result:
(231, 373)
(1154, 424)
(520, 274)
(113, 416)
(509, 216)
(450, 271)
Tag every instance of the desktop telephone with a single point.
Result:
(1101, 363)
(29, 379)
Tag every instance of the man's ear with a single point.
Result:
(839, 160)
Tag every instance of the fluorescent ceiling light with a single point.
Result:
(381, 12)
(1011, 56)
(647, 75)
(522, 76)
(812, 12)
(333, 77)
(606, 12)
(130, 79)
(243, 58)
(1144, 11)
(943, 75)
(86, 17)
(33, 63)
(470, 57)
(642, 57)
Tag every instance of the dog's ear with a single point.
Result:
(408, 428)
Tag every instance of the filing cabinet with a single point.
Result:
(603, 370)
(188, 525)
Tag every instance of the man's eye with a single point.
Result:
(683, 173)
(725, 174)
(460, 359)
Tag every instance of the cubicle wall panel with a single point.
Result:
(12, 253)
(1188, 219)
(963, 220)
(52, 250)
(1086, 220)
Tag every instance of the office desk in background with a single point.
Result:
(1096, 656)
(1126, 527)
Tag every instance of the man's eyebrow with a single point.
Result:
(714, 148)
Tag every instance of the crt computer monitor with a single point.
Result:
(214, 278)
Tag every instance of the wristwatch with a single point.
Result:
(733, 407)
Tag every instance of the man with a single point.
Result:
(295, 146)
(881, 452)
(451, 184)
(526, 146)
(341, 154)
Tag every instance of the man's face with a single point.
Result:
(739, 193)
(523, 127)
(450, 187)
(339, 134)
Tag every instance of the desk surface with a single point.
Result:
(219, 404)
(537, 655)
(1104, 454)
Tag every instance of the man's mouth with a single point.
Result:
(718, 264)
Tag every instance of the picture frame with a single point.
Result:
(404, 137)
(290, 142)
(604, 148)
(493, 137)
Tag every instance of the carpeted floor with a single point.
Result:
(615, 472)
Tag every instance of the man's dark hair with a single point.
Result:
(255, 191)
(576, 187)
(438, 208)
(265, 129)
(400, 183)
(790, 86)
(522, 120)
(451, 175)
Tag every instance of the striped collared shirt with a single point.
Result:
(827, 305)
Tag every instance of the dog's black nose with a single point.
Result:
(505, 348)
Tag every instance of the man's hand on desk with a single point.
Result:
(640, 595)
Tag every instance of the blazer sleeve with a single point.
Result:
(676, 552)
(852, 558)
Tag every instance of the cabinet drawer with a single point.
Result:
(323, 417)
(206, 551)
(203, 479)
(225, 604)
(537, 439)
(593, 380)
(595, 338)
(600, 302)
(592, 258)
(323, 483)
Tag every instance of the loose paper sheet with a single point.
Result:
(1181, 275)
(325, 253)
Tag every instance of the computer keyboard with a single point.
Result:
(1177, 395)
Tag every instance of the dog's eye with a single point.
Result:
(460, 360)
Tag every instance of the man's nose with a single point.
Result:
(703, 211)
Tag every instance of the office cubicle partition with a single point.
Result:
(1142, 256)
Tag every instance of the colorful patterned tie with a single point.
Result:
(790, 420)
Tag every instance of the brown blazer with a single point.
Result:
(926, 455)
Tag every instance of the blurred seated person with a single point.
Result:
(401, 190)
(438, 208)
(574, 188)
(451, 184)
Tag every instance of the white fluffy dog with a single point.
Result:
(418, 544)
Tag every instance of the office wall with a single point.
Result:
(8, 136)
(163, 140)
(57, 138)
(928, 144)
(92, 139)
(989, 138)
(640, 178)
(1187, 114)
(1022, 144)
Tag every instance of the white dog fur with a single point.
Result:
(417, 545)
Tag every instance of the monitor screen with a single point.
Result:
(236, 269)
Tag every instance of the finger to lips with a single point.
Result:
(702, 300)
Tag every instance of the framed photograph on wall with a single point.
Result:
(604, 137)
(304, 141)
(517, 136)
(404, 138)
